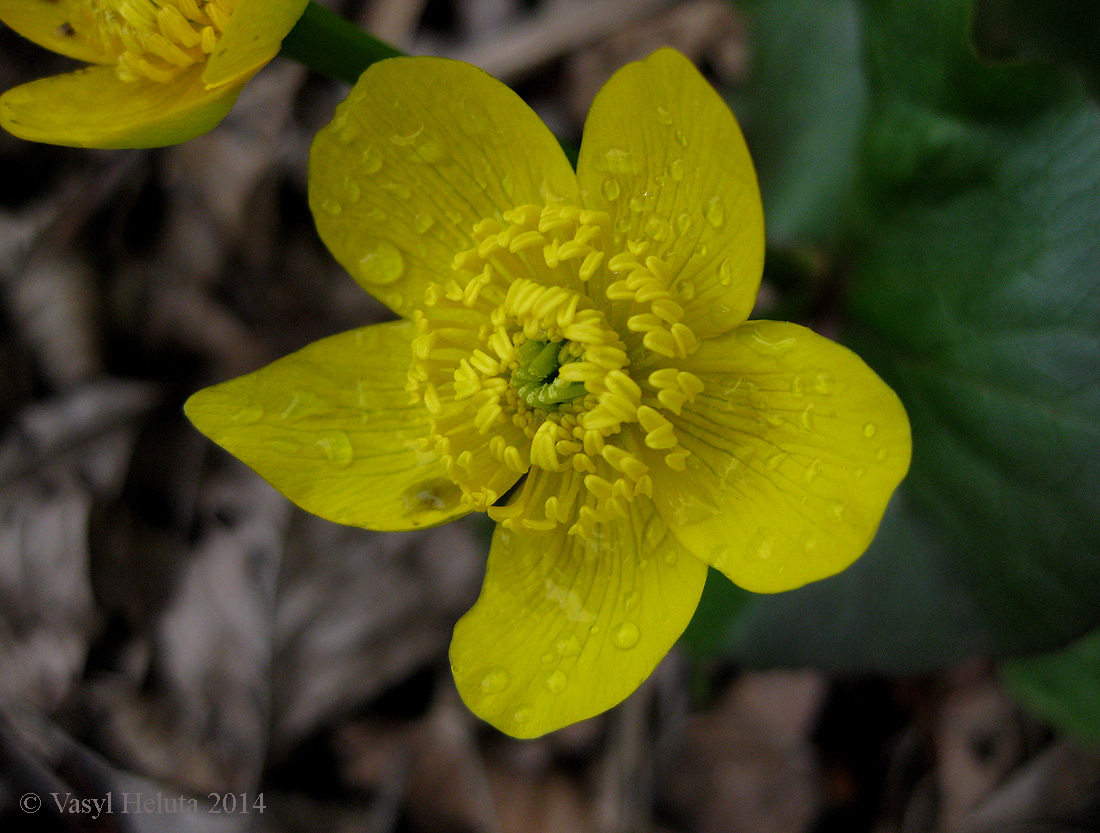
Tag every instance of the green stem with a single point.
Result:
(330, 45)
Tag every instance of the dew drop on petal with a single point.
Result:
(371, 161)
(381, 262)
(760, 547)
(664, 116)
(556, 681)
(439, 494)
(676, 169)
(798, 387)
(422, 222)
(610, 189)
(567, 646)
(331, 206)
(625, 635)
(720, 555)
(337, 448)
(620, 161)
(351, 188)
(683, 223)
(250, 414)
(280, 445)
(716, 214)
(725, 272)
(869, 430)
(431, 152)
(495, 681)
(882, 454)
(523, 713)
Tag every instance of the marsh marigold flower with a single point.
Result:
(573, 357)
(164, 71)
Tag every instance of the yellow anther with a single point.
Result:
(514, 460)
(672, 399)
(659, 268)
(676, 460)
(643, 322)
(598, 486)
(432, 401)
(590, 264)
(660, 341)
(667, 309)
(684, 338)
(526, 240)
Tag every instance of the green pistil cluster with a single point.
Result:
(535, 378)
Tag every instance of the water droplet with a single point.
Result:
(376, 215)
(664, 116)
(687, 290)
(656, 228)
(407, 139)
(337, 448)
(716, 214)
(637, 205)
(331, 206)
(805, 418)
(495, 680)
(882, 454)
(523, 713)
(720, 555)
(760, 547)
(798, 387)
(399, 190)
(869, 430)
(556, 681)
(439, 494)
(345, 129)
(701, 250)
(643, 564)
(305, 404)
(371, 161)
(725, 272)
(676, 169)
(610, 189)
(620, 161)
(351, 188)
(567, 646)
(670, 559)
(625, 635)
(431, 152)
(836, 510)
(679, 134)
(683, 223)
(381, 262)
(823, 383)
(631, 601)
(249, 415)
(508, 185)
(859, 472)
(423, 222)
(809, 475)
(547, 659)
(395, 300)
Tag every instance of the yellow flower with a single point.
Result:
(574, 359)
(165, 70)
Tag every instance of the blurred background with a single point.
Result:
(169, 625)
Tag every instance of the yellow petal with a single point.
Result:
(423, 149)
(566, 628)
(252, 38)
(663, 154)
(796, 446)
(331, 428)
(93, 108)
(58, 25)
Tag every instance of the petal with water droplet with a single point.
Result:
(772, 475)
(664, 132)
(603, 622)
(331, 428)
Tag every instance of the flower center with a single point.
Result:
(544, 357)
(154, 40)
(536, 379)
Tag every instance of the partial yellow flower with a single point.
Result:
(164, 71)
(573, 358)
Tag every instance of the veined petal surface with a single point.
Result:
(252, 38)
(663, 154)
(93, 108)
(796, 446)
(332, 428)
(566, 627)
(421, 151)
(54, 24)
